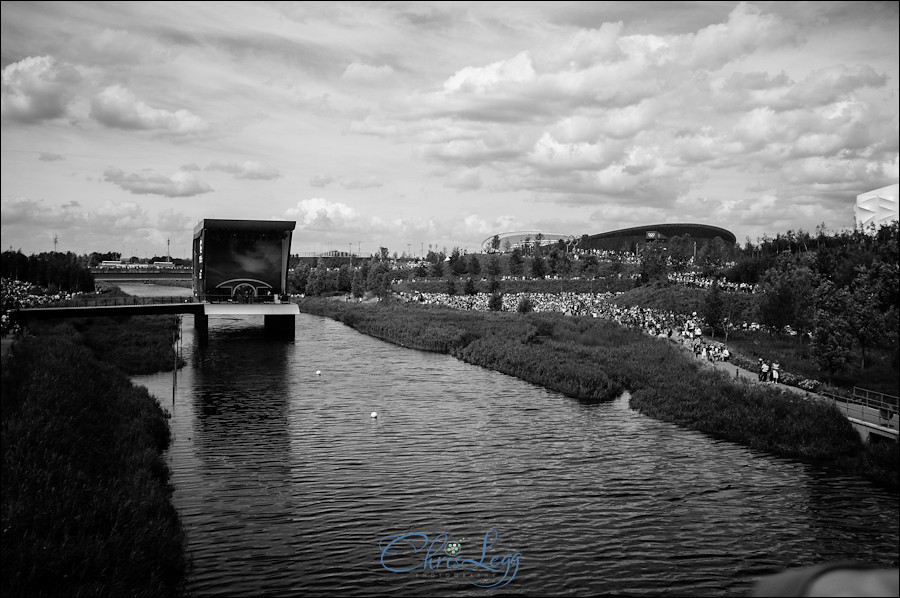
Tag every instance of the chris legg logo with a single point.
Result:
(413, 551)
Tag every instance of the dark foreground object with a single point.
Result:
(85, 498)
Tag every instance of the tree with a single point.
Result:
(832, 335)
(870, 312)
(714, 309)
(495, 303)
(538, 267)
(654, 263)
(525, 305)
(469, 286)
(358, 286)
(457, 263)
(564, 265)
(451, 286)
(787, 288)
(493, 266)
(590, 268)
(681, 251)
(437, 268)
(345, 278)
(315, 284)
(495, 243)
(379, 281)
(516, 265)
(474, 265)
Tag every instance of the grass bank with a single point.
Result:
(593, 359)
(86, 504)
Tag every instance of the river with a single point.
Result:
(287, 485)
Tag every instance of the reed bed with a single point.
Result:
(86, 507)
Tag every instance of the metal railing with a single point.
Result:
(867, 405)
(112, 302)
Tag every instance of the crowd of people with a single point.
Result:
(664, 324)
(696, 281)
(17, 294)
(655, 322)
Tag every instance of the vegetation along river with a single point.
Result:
(287, 485)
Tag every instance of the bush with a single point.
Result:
(495, 303)
(525, 305)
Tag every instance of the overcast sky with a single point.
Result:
(409, 125)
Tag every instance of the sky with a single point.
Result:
(417, 125)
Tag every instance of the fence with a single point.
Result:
(868, 405)
(112, 301)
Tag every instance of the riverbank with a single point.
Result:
(594, 359)
(86, 500)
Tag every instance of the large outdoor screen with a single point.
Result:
(242, 257)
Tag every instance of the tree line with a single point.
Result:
(54, 271)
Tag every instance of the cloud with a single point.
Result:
(170, 220)
(483, 79)
(367, 182)
(322, 215)
(21, 210)
(50, 157)
(119, 108)
(246, 170)
(38, 88)
(148, 182)
(357, 72)
(321, 180)
(468, 179)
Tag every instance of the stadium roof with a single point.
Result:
(615, 239)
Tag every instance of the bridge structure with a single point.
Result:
(139, 275)
(278, 318)
(873, 415)
(239, 267)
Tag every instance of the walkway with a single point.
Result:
(866, 421)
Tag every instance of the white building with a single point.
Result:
(876, 208)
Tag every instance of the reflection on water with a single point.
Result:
(286, 484)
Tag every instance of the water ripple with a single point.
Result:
(285, 484)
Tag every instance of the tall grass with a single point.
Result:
(136, 345)
(594, 359)
(85, 499)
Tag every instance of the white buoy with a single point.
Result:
(318, 372)
(374, 414)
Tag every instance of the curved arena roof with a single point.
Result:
(614, 240)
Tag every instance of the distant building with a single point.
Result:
(629, 239)
(513, 240)
(241, 260)
(877, 208)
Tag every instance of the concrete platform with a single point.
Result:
(251, 309)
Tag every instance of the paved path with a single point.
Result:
(744, 374)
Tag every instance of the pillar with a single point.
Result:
(201, 328)
(280, 326)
